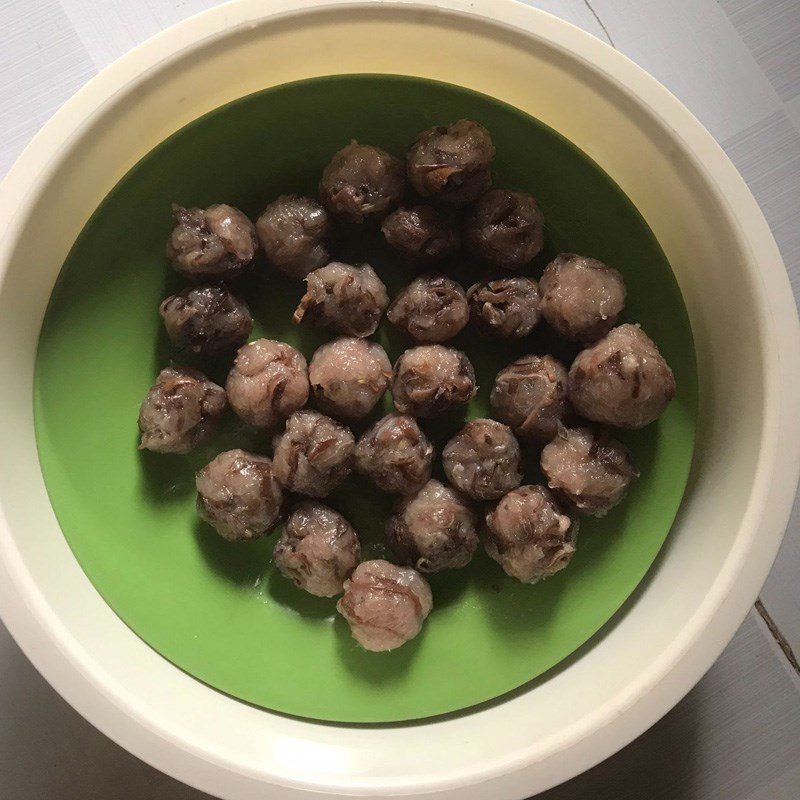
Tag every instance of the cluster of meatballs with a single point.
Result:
(436, 204)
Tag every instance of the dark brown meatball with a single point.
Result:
(434, 529)
(206, 319)
(395, 454)
(591, 470)
(181, 411)
(529, 535)
(350, 300)
(430, 309)
(318, 549)
(313, 455)
(385, 605)
(432, 379)
(507, 308)
(452, 163)
(349, 376)
(268, 382)
(211, 244)
(621, 380)
(530, 395)
(362, 182)
(421, 236)
(505, 228)
(581, 297)
(483, 460)
(238, 494)
(292, 230)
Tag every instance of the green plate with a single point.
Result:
(219, 610)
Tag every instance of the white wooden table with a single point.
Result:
(736, 65)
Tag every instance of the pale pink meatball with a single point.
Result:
(582, 298)
(314, 454)
(238, 494)
(349, 376)
(589, 469)
(434, 529)
(211, 244)
(318, 549)
(385, 605)
(529, 535)
(530, 395)
(181, 411)
(504, 309)
(293, 232)
(421, 236)
(430, 309)
(621, 380)
(268, 382)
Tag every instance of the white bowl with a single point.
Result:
(746, 466)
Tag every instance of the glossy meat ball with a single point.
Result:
(581, 297)
(350, 300)
(529, 535)
(507, 308)
(314, 454)
(621, 380)
(181, 411)
(362, 182)
(206, 319)
(268, 382)
(431, 379)
(318, 549)
(395, 454)
(530, 395)
(238, 494)
(452, 164)
(421, 236)
(292, 230)
(433, 530)
(211, 244)
(430, 309)
(505, 228)
(591, 470)
(385, 605)
(349, 376)
(483, 460)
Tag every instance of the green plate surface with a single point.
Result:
(219, 610)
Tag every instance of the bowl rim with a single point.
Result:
(71, 670)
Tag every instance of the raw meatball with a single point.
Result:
(433, 530)
(318, 549)
(292, 230)
(351, 300)
(592, 471)
(430, 309)
(268, 382)
(181, 411)
(238, 494)
(314, 454)
(483, 460)
(206, 319)
(349, 376)
(362, 182)
(505, 228)
(530, 395)
(212, 244)
(581, 297)
(528, 534)
(432, 379)
(385, 605)
(507, 308)
(622, 380)
(452, 163)
(396, 454)
(421, 235)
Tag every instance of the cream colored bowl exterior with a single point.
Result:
(731, 522)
